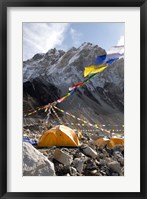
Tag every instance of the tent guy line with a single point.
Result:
(81, 120)
(72, 90)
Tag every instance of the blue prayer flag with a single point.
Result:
(100, 59)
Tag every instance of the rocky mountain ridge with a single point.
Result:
(46, 77)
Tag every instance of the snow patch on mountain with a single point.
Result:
(116, 50)
(103, 94)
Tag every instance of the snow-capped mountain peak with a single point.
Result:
(48, 76)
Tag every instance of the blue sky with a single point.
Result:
(40, 37)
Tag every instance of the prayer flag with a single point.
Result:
(100, 59)
(92, 70)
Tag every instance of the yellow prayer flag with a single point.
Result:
(92, 69)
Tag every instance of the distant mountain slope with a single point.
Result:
(48, 76)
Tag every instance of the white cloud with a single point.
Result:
(75, 35)
(121, 41)
(40, 37)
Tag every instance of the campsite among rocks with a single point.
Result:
(73, 119)
(87, 159)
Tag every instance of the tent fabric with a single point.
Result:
(80, 136)
(114, 142)
(59, 136)
(110, 143)
(101, 142)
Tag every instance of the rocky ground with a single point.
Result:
(85, 160)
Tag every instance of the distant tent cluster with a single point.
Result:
(62, 135)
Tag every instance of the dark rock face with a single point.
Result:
(38, 56)
(38, 92)
(43, 91)
(112, 95)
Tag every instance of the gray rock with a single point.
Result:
(103, 173)
(73, 171)
(79, 164)
(97, 162)
(102, 162)
(108, 160)
(89, 151)
(79, 155)
(63, 157)
(35, 163)
(28, 131)
(107, 172)
(101, 155)
(114, 174)
(115, 166)
(65, 150)
(91, 165)
(122, 172)
(93, 172)
(121, 160)
(117, 154)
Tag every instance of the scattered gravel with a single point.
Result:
(85, 160)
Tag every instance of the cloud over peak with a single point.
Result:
(75, 35)
(40, 37)
(121, 41)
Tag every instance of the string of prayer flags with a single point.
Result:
(112, 57)
(67, 95)
(101, 63)
(60, 121)
(31, 112)
(86, 80)
(76, 86)
(100, 59)
(63, 98)
(73, 91)
(79, 119)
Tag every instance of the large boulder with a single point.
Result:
(35, 163)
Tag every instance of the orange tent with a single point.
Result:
(101, 142)
(80, 136)
(114, 142)
(59, 136)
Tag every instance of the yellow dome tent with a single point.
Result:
(114, 142)
(101, 142)
(59, 136)
(110, 143)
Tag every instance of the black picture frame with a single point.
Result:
(4, 4)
